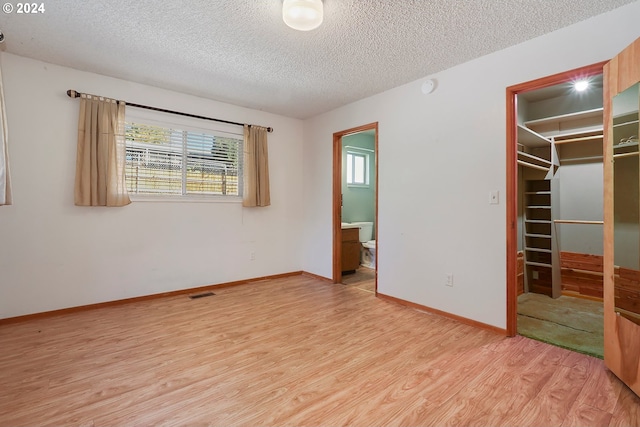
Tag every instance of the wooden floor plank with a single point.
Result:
(627, 410)
(584, 415)
(292, 351)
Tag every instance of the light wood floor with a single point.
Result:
(294, 351)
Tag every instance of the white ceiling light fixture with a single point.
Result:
(302, 15)
(581, 85)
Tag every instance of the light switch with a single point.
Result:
(494, 197)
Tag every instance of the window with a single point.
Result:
(169, 161)
(357, 169)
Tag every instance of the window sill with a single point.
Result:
(358, 186)
(184, 199)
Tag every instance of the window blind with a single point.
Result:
(168, 161)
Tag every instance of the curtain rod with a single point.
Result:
(75, 94)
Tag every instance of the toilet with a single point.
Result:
(368, 253)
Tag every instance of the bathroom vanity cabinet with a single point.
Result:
(350, 249)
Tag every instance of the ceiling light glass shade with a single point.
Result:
(303, 15)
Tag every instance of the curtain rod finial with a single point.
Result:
(72, 93)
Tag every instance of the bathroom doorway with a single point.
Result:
(355, 207)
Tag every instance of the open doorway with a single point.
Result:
(355, 207)
(555, 210)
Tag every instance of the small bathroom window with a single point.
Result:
(357, 169)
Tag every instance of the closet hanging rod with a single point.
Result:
(581, 159)
(75, 94)
(576, 221)
(634, 153)
(583, 138)
(630, 122)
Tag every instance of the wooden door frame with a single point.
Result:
(512, 177)
(337, 199)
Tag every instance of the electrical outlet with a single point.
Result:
(534, 275)
(252, 256)
(449, 279)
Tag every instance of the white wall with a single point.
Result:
(446, 152)
(55, 255)
(580, 190)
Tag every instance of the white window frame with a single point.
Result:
(350, 169)
(165, 120)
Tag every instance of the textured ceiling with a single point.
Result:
(240, 51)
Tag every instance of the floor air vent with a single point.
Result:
(202, 295)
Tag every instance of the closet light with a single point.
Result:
(302, 15)
(581, 85)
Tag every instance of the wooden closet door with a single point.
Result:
(621, 335)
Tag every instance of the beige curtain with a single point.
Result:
(101, 153)
(256, 167)
(5, 178)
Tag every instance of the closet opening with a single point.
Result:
(555, 210)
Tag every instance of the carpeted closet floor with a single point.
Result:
(573, 323)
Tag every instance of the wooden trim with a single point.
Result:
(337, 199)
(628, 69)
(554, 79)
(579, 295)
(337, 208)
(609, 89)
(512, 215)
(512, 176)
(377, 220)
(460, 319)
(199, 289)
(315, 276)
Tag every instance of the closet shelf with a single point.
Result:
(538, 221)
(537, 192)
(531, 139)
(625, 118)
(546, 251)
(577, 132)
(538, 264)
(586, 114)
(535, 158)
(625, 145)
(532, 166)
(541, 236)
(568, 124)
(538, 207)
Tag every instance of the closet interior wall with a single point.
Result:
(560, 191)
